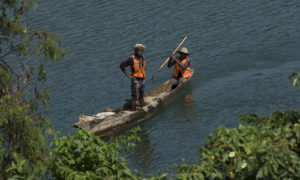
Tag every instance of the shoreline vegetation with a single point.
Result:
(261, 147)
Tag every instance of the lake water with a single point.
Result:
(242, 52)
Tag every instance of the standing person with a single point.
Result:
(182, 68)
(137, 74)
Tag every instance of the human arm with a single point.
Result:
(123, 66)
(183, 66)
(171, 62)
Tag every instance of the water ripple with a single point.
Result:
(243, 52)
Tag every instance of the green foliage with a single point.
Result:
(24, 150)
(267, 148)
(4, 80)
(17, 170)
(296, 77)
(86, 156)
(22, 137)
(160, 176)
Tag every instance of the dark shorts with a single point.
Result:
(137, 87)
(174, 82)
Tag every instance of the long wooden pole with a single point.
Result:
(168, 59)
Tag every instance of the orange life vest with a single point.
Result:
(184, 72)
(138, 69)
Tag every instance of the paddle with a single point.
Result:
(167, 59)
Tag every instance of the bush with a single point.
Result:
(265, 148)
(86, 156)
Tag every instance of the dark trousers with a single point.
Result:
(137, 87)
(137, 90)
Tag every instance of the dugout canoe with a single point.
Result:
(107, 123)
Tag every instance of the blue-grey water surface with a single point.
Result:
(242, 52)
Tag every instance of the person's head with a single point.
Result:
(138, 49)
(183, 52)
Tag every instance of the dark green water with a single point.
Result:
(242, 52)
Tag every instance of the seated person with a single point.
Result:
(182, 68)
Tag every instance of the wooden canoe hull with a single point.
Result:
(122, 117)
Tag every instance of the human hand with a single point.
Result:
(172, 56)
(131, 77)
(177, 62)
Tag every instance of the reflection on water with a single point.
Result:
(189, 106)
(144, 155)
